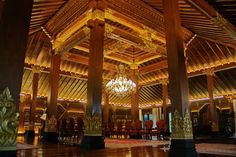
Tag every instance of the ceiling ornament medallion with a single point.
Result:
(121, 85)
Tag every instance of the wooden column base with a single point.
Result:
(29, 134)
(183, 148)
(8, 153)
(50, 137)
(215, 134)
(93, 142)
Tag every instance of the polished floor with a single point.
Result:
(61, 150)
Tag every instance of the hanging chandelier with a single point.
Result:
(121, 86)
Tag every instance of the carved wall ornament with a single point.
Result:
(181, 126)
(93, 124)
(119, 46)
(8, 121)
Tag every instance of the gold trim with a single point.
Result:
(93, 124)
(181, 126)
(8, 121)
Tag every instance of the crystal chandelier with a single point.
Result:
(121, 86)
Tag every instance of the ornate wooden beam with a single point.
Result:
(153, 67)
(105, 56)
(84, 60)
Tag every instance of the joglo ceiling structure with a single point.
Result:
(134, 37)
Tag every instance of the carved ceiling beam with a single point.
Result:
(117, 46)
(77, 31)
(143, 42)
(136, 26)
(215, 17)
(105, 56)
(75, 39)
(147, 57)
(153, 67)
(84, 60)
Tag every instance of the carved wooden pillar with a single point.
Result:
(164, 97)
(165, 100)
(53, 84)
(135, 96)
(50, 134)
(234, 107)
(213, 113)
(106, 109)
(182, 143)
(30, 132)
(93, 118)
(14, 28)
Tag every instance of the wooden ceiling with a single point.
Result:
(134, 34)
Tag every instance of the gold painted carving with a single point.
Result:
(51, 124)
(37, 69)
(93, 124)
(181, 126)
(8, 121)
(119, 46)
(98, 14)
(214, 127)
(210, 72)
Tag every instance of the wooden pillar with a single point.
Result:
(234, 110)
(106, 109)
(164, 98)
(135, 96)
(30, 132)
(93, 118)
(182, 143)
(14, 28)
(213, 113)
(50, 134)
(53, 84)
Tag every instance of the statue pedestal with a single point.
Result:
(8, 153)
(183, 148)
(29, 134)
(50, 137)
(93, 142)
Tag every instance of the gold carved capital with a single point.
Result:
(164, 81)
(8, 121)
(98, 14)
(95, 23)
(37, 69)
(210, 72)
(181, 126)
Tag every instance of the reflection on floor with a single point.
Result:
(62, 150)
